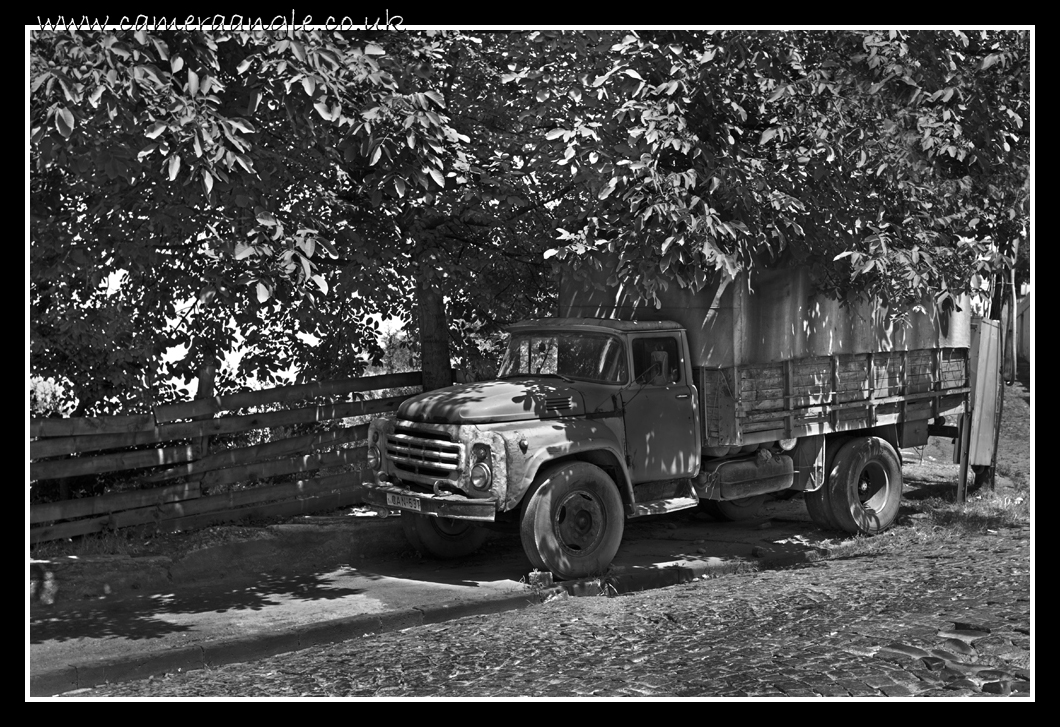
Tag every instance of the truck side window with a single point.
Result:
(663, 353)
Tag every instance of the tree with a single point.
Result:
(277, 193)
(243, 190)
(885, 160)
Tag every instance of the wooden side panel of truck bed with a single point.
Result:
(823, 394)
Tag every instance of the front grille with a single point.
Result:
(427, 453)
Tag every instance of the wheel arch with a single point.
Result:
(606, 458)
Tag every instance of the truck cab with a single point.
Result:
(589, 421)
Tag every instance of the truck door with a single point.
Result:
(662, 438)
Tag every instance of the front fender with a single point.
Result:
(556, 440)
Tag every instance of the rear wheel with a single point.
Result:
(819, 502)
(442, 537)
(865, 487)
(572, 521)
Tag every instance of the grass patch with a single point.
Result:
(982, 511)
(940, 520)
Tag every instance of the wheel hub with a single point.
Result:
(579, 522)
(873, 482)
(449, 526)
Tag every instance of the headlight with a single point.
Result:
(374, 457)
(481, 476)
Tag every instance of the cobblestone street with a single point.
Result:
(947, 620)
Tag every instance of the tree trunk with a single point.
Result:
(434, 337)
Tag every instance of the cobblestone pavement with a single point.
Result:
(948, 619)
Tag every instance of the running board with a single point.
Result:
(657, 507)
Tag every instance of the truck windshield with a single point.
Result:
(585, 356)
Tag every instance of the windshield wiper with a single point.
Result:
(558, 376)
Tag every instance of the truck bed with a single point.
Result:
(756, 403)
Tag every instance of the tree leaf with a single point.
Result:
(64, 122)
(323, 110)
(242, 125)
(174, 166)
(155, 129)
(299, 51)
(437, 177)
(608, 189)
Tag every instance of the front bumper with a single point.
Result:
(443, 504)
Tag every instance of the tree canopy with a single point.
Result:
(887, 161)
(275, 193)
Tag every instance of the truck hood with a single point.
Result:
(510, 400)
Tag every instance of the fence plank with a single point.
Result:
(301, 506)
(225, 425)
(121, 461)
(105, 504)
(284, 394)
(68, 530)
(230, 500)
(305, 463)
(260, 452)
(90, 425)
(175, 516)
(57, 446)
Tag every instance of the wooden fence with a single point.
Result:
(189, 484)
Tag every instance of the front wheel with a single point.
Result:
(865, 486)
(572, 521)
(442, 537)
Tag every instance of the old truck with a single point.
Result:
(716, 399)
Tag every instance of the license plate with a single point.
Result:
(406, 503)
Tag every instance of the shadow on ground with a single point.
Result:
(142, 617)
